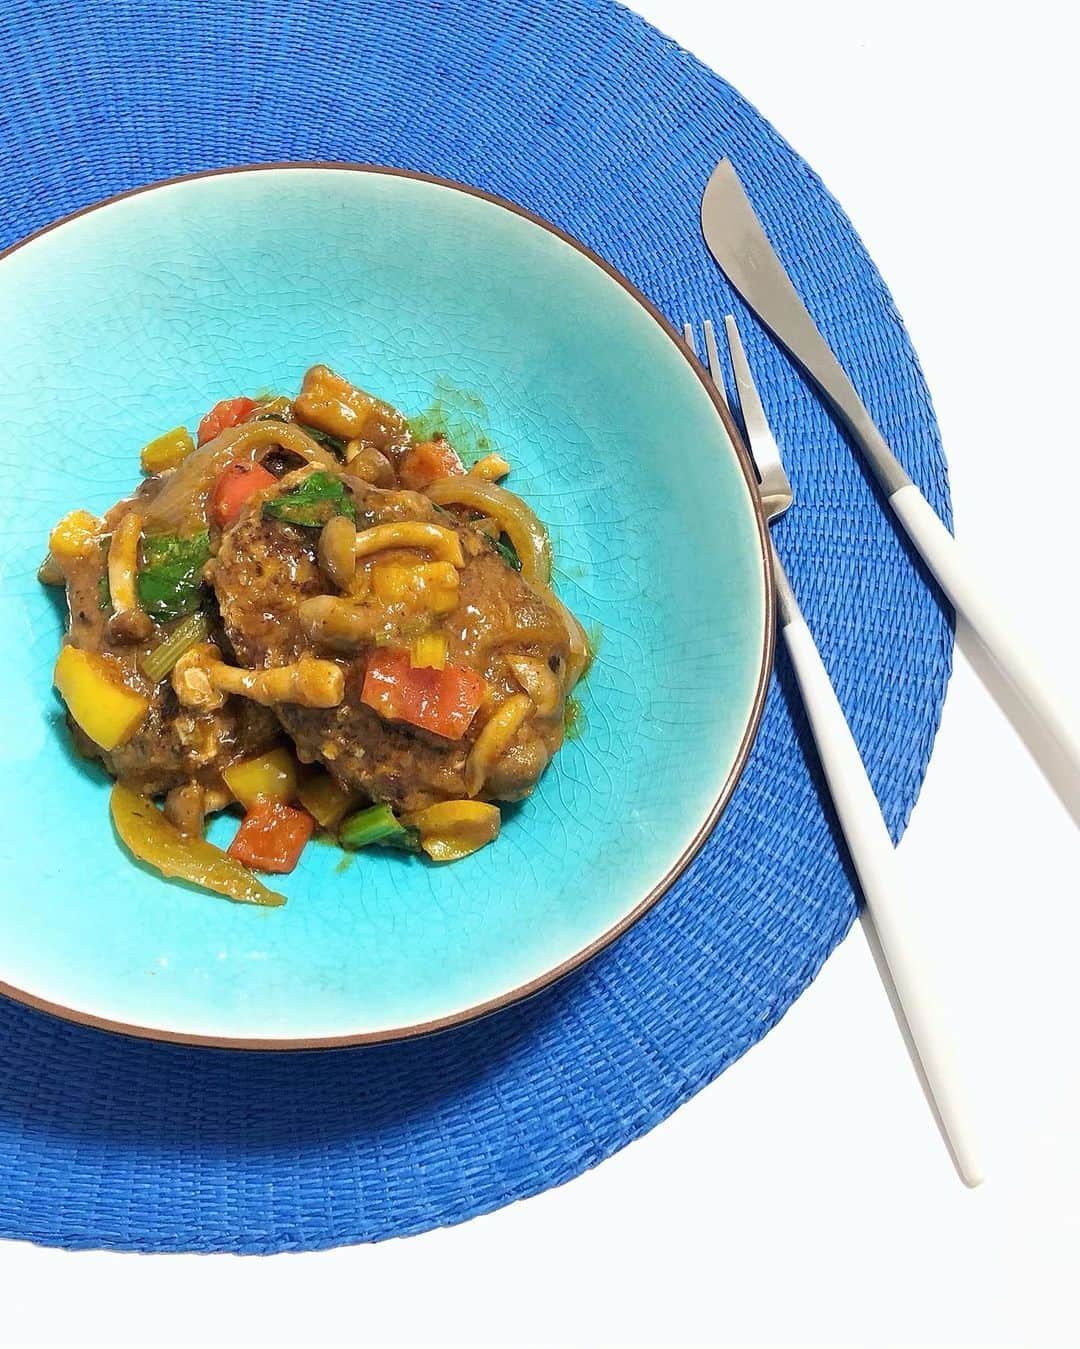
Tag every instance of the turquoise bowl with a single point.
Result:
(137, 315)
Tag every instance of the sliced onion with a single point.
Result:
(579, 656)
(514, 518)
(180, 506)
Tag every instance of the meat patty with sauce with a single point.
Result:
(266, 569)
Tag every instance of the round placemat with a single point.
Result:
(582, 113)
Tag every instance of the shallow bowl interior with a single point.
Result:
(138, 315)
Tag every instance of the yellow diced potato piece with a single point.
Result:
(454, 829)
(108, 711)
(428, 652)
(326, 800)
(167, 451)
(430, 586)
(270, 777)
(75, 536)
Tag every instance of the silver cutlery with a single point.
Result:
(857, 808)
(737, 241)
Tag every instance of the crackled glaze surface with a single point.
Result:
(136, 317)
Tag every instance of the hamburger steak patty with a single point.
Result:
(266, 568)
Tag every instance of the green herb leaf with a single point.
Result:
(317, 499)
(169, 585)
(507, 551)
(332, 443)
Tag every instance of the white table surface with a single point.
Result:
(804, 1199)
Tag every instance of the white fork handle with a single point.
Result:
(872, 852)
(946, 560)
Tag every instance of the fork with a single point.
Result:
(886, 916)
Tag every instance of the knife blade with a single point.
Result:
(737, 240)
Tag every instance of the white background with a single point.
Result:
(805, 1199)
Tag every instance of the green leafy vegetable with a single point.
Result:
(507, 551)
(332, 443)
(377, 824)
(319, 497)
(169, 585)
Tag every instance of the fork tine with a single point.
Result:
(716, 367)
(688, 337)
(763, 444)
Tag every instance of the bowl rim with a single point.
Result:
(657, 891)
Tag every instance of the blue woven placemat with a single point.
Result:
(586, 115)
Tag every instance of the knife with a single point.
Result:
(737, 241)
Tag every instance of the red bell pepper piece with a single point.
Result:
(443, 701)
(233, 487)
(229, 412)
(272, 836)
(427, 462)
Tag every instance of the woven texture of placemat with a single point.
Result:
(581, 112)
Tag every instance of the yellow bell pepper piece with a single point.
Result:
(153, 839)
(431, 586)
(108, 711)
(270, 777)
(75, 536)
(167, 451)
(428, 652)
(490, 468)
(454, 829)
(326, 800)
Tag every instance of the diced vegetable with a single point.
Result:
(108, 711)
(166, 451)
(170, 583)
(377, 824)
(271, 777)
(316, 500)
(229, 412)
(428, 652)
(430, 586)
(272, 836)
(453, 829)
(326, 799)
(157, 663)
(491, 467)
(331, 404)
(75, 536)
(428, 461)
(442, 701)
(233, 487)
(152, 839)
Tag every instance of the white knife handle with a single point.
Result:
(872, 852)
(945, 558)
